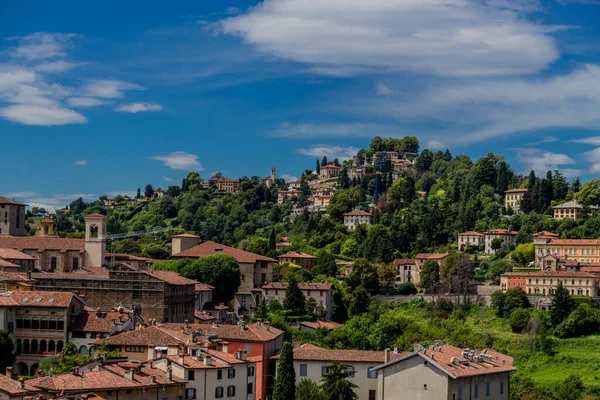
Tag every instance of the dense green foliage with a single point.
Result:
(285, 381)
(335, 383)
(7, 346)
(294, 299)
(307, 389)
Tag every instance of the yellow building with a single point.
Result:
(571, 209)
(580, 250)
(545, 282)
(513, 198)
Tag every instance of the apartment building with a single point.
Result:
(16, 389)
(284, 196)
(578, 250)
(513, 199)
(306, 261)
(420, 260)
(225, 185)
(571, 209)
(355, 218)
(329, 171)
(12, 217)
(406, 269)
(507, 236)
(322, 293)
(445, 372)
(470, 238)
(12, 260)
(544, 283)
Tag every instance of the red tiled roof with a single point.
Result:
(431, 256)
(358, 213)
(11, 386)
(193, 363)
(309, 352)
(501, 232)
(558, 274)
(8, 264)
(470, 233)
(321, 324)
(296, 254)
(96, 215)
(121, 256)
(301, 286)
(235, 333)
(90, 321)
(404, 261)
(209, 248)
(6, 200)
(331, 167)
(186, 235)
(580, 242)
(172, 277)
(150, 336)
(12, 254)
(40, 243)
(203, 316)
(515, 190)
(203, 287)
(545, 234)
(14, 277)
(41, 299)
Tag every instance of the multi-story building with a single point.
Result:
(12, 260)
(37, 322)
(212, 374)
(225, 185)
(579, 250)
(255, 270)
(16, 389)
(470, 238)
(544, 283)
(118, 380)
(306, 261)
(571, 209)
(12, 217)
(312, 362)
(401, 164)
(513, 199)
(11, 281)
(282, 244)
(507, 236)
(420, 260)
(405, 271)
(322, 196)
(355, 218)
(357, 172)
(445, 372)
(284, 196)
(203, 295)
(329, 171)
(322, 293)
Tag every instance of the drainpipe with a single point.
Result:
(204, 398)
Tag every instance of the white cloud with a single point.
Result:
(80, 162)
(594, 140)
(180, 160)
(55, 66)
(57, 201)
(289, 130)
(115, 193)
(28, 114)
(442, 37)
(594, 168)
(138, 107)
(108, 88)
(544, 161)
(288, 178)
(543, 140)
(436, 145)
(592, 155)
(42, 45)
(84, 102)
(383, 90)
(13, 195)
(166, 178)
(330, 151)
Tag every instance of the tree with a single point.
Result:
(589, 194)
(69, 350)
(308, 389)
(325, 264)
(148, 191)
(424, 161)
(318, 169)
(430, 276)
(272, 240)
(359, 301)
(502, 177)
(193, 178)
(285, 381)
(218, 270)
(525, 253)
(261, 310)
(294, 298)
(561, 306)
(518, 320)
(570, 389)
(497, 244)
(335, 383)
(139, 193)
(7, 347)
(324, 161)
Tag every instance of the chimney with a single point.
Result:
(186, 324)
(396, 349)
(169, 373)
(386, 358)
(150, 364)
(225, 347)
(153, 379)
(207, 360)
(181, 359)
(98, 336)
(21, 384)
(9, 372)
(267, 326)
(129, 374)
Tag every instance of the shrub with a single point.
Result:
(518, 320)
(406, 289)
(583, 321)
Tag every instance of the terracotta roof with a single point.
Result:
(40, 243)
(358, 213)
(235, 333)
(404, 261)
(15, 277)
(203, 316)
(11, 386)
(6, 200)
(283, 244)
(209, 248)
(470, 233)
(90, 321)
(569, 204)
(516, 191)
(580, 242)
(12, 254)
(96, 215)
(431, 256)
(224, 360)
(296, 254)
(121, 256)
(545, 234)
(203, 287)
(172, 277)
(186, 235)
(329, 166)
(41, 299)
(150, 336)
(501, 232)
(214, 306)
(8, 264)
(558, 274)
(309, 352)
(321, 324)
(301, 286)
(450, 360)
(108, 377)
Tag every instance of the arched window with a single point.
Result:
(52, 324)
(34, 346)
(43, 346)
(75, 262)
(19, 345)
(92, 351)
(44, 324)
(53, 261)
(35, 323)
(26, 346)
(51, 346)
(59, 346)
(83, 351)
(93, 231)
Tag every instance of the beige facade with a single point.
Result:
(507, 236)
(329, 172)
(322, 293)
(95, 240)
(183, 242)
(406, 271)
(12, 217)
(513, 199)
(545, 282)
(420, 260)
(571, 210)
(578, 250)
(470, 239)
(358, 217)
(284, 196)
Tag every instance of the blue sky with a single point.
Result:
(105, 97)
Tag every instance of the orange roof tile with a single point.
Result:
(11, 386)
(6, 200)
(516, 191)
(404, 261)
(187, 235)
(251, 333)
(301, 286)
(172, 277)
(574, 242)
(470, 233)
(296, 254)
(431, 256)
(321, 324)
(558, 274)
(39, 243)
(12, 254)
(358, 213)
(309, 352)
(90, 321)
(41, 299)
(209, 248)
(150, 336)
(501, 232)
(203, 287)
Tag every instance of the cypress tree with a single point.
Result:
(318, 167)
(324, 161)
(285, 381)
(272, 241)
(561, 306)
(294, 299)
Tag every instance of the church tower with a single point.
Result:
(273, 174)
(95, 240)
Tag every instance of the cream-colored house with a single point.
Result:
(513, 199)
(329, 171)
(508, 238)
(420, 260)
(284, 196)
(544, 283)
(580, 250)
(355, 218)
(445, 372)
(322, 293)
(406, 270)
(12, 217)
(571, 209)
(470, 238)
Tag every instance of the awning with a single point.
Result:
(161, 348)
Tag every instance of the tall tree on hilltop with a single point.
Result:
(285, 381)
(343, 179)
(272, 240)
(424, 161)
(531, 181)
(148, 191)
(562, 305)
(502, 177)
(294, 298)
(335, 383)
(139, 193)
(324, 161)
(326, 264)
(318, 169)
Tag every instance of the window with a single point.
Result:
(251, 370)
(109, 393)
(476, 391)
(220, 374)
(128, 391)
(230, 391)
(10, 327)
(487, 389)
(371, 374)
(460, 394)
(191, 374)
(303, 369)
(501, 387)
(372, 394)
(190, 394)
(231, 373)
(219, 392)
(134, 349)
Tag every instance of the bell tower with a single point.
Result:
(273, 174)
(95, 240)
